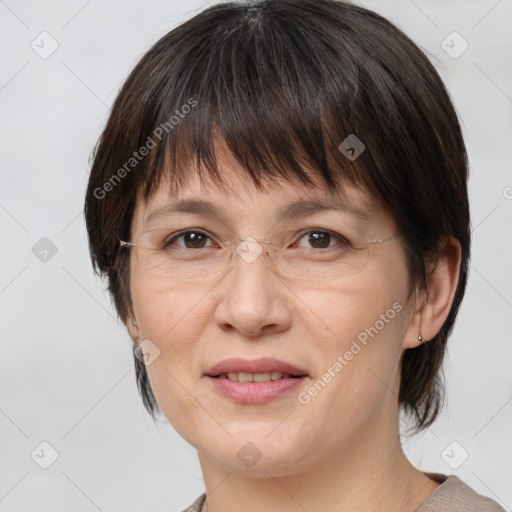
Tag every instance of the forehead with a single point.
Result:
(236, 181)
(239, 200)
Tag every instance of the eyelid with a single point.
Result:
(341, 238)
(286, 237)
(178, 234)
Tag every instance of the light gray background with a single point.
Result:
(66, 371)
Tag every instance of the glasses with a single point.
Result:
(193, 254)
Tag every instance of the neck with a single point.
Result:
(366, 473)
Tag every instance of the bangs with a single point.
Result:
(282, 100)
(312, 92)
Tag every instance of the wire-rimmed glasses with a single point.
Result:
(202, 256)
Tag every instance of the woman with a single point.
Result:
(279, 202)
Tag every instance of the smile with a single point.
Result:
(255, 381)
(252, 391)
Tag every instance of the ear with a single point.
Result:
(433, 307)
(133, 329)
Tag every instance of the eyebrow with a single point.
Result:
(296, 209)
(305, 207)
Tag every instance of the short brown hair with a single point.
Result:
(284, 82)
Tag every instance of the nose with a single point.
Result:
(253, 299)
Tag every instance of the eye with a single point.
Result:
(190, 239)
(322, 239)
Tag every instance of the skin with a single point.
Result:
(341, 451)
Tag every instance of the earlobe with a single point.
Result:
(435, 305)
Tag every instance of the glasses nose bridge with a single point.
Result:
(249, 249)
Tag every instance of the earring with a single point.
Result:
(133, 323)
(420, 338)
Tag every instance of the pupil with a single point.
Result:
(194, 240)
(319, 240)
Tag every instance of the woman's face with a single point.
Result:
(344, 335)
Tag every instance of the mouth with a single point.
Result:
(254, 381)
(263, 369)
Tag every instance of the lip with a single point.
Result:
(255, 392)
(261, 365)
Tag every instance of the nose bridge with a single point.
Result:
(252, 301)
(249, 249)
(251, 269)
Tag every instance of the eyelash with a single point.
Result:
(341, 239)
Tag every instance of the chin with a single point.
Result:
(250, 460)
(252, 450)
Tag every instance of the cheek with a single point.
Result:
(357, 336)
(356, 367)
(164, 310)
(359, 309)
(360, 353)
(173, 318)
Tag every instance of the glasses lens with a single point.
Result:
(194, 255)
(321, 264)
(187, 255)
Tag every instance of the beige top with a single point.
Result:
(452, 495)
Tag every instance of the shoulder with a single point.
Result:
(453, 495)
(197, 505)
